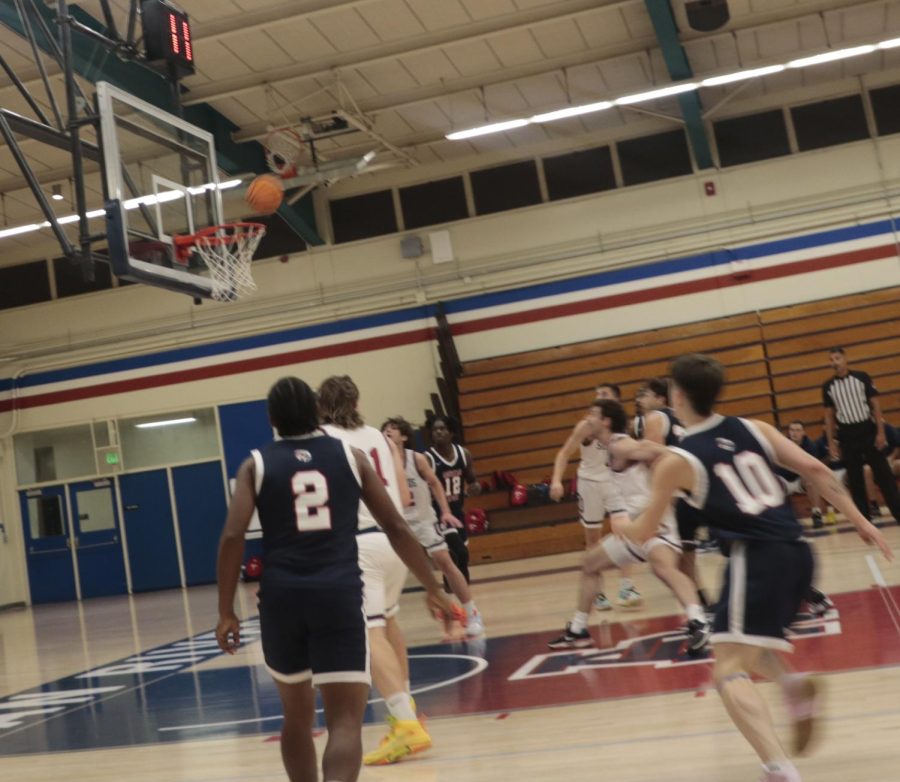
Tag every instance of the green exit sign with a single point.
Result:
(112, 457)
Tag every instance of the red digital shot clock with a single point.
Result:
(167, 36)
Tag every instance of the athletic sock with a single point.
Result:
(400, 706)
(470, 609)
(579, 622)
(785, 767)
(695, 611)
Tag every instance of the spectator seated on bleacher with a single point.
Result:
(891, 451)
(793, 482)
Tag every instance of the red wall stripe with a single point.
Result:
(670, 291)
(468, 327)
(220, 370)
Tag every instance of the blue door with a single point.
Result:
(200, 501)
(149, 531)
(51, 573)
(98, 544)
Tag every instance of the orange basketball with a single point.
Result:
(265, 194)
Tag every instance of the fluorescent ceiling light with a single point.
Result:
(227, 185)
(752, 73)
(159, 198)
(133, 203)
(663, 92)
(19, 229)
(837, 54)
(572, 111)
(167, 422)
(497, 127)
(676, 89)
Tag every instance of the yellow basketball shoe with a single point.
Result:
(407, 737)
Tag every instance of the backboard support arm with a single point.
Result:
(35, 185)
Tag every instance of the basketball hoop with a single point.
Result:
(227, 251)
(284, 148)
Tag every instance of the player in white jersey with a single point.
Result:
(383, 572)
(597, 493)
(423, 521)
(628, 464)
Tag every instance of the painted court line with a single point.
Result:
(886, 595)
(480, 665)
(422, 762)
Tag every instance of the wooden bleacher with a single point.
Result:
(518, 409)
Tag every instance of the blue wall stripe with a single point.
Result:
(467, 304)
(228, 346)
(673, 266)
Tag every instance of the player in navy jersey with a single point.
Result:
(725, 466)
(452, 463)
(307, 489)
(659, 424)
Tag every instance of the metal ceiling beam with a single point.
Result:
(95, 63)
(327, 66)
(466, 84)
(756, 21)
(256, 20)
(680, 70)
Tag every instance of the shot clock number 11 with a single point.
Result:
(167, 36)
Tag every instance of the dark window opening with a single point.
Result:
(505, 187)
(579, 173)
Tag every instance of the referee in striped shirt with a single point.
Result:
(854, 427)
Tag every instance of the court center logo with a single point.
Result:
(657, 650)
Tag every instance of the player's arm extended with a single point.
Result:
(231, 554)
(400, 472)
(631, 450)
(423, 467)
(830, 426)
(671, 473)
(580, 432)
(473, 487)
(654, 422)
(789, 454)
(401, 539)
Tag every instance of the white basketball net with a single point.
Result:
(284, 149)
(228, 257)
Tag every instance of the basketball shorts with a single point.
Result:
(314, 634)
(383, 574)
(765, 582)
(457, 509)
(626, 552)
(595, 500)
(429, 533)
(689, 521)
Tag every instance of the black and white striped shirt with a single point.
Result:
(849, 397)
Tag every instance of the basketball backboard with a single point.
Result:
(161, 181)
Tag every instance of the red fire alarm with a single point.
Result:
(710, 188)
